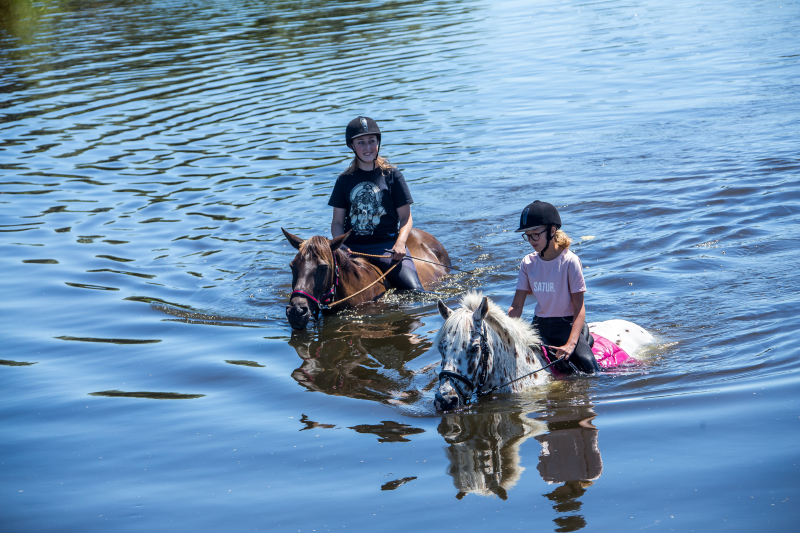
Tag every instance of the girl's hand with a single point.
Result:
(564, 351)
(398, 252)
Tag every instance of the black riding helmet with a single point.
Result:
(360, 126)
(540, 214)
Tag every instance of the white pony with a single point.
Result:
(483, 348)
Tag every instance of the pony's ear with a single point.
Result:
(294, 240)
(480, 312)
(337, 242)
(443, 309)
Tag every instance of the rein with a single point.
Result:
(365, 288)
(431, 262)
(544, 348)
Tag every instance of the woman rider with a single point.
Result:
(371, 198)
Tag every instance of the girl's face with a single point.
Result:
(537, 237)
(366, 147)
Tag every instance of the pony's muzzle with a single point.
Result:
(447, 397)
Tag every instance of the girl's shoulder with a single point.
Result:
(569, 255)
(570, 258)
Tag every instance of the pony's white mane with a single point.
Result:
(514, 333)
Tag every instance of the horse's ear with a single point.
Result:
(294, 240)
(337, 242)
(443, 309)
(480, 312)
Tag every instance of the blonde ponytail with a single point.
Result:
(562, 239)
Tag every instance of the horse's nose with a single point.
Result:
(297, 315)
(447, 398)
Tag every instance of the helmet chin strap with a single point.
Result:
(549, 238)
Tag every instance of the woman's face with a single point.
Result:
(366, 147)
(537, 237)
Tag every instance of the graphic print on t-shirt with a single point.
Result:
(542, 286)
(365, 207)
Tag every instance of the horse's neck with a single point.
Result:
(507, 364)
(353, 276)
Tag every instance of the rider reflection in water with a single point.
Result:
(554, 275)
(371, 198)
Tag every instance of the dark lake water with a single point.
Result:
(151, 151)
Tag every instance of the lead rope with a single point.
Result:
(479, 394)
(337, 302)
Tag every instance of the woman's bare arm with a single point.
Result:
(337, 223)
(406, 223)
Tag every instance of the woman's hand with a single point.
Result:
(398, 251)
(405, 225)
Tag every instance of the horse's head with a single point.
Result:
(466, 359)
(484, 349)
(313, 277)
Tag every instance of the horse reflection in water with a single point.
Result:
(484, 450)
(485, 458)
(366, 361)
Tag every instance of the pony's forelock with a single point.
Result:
(502, 328)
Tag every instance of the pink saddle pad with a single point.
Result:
(608, 354)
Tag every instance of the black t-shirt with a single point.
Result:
(371, 199)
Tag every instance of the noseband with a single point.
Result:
(322, 303)
(483, 368)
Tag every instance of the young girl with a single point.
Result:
(371, 198)
(554, 275)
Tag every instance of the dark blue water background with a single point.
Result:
(151, 151)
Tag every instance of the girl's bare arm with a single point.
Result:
(577, 325)
(518, 304)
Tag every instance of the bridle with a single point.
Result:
(328, 297)
(483, 370)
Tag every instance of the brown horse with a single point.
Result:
(322, 273)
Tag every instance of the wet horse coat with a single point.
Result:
(322, 273)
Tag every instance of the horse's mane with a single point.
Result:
(502, 328)
(320, 247)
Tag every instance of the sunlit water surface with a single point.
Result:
(151, 152)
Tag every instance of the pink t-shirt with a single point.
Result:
(552, 282)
